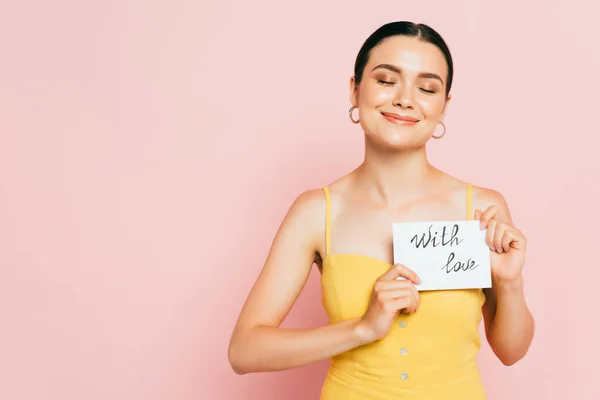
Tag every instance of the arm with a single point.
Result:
(509, 325)
(258, 343)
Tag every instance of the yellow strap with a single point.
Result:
(327, 224)
(469, 201)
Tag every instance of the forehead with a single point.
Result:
(409, 54)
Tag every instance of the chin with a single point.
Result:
(398, 139)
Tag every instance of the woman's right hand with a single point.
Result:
(390, 296)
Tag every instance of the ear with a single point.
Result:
(353, 92)
(445, 107)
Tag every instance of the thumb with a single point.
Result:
(478, 214)
(399, 270)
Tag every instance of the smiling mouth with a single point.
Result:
(399, 119)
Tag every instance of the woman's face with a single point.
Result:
(402, 98)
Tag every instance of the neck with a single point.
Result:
(393, 177)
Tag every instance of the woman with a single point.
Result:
(387, 340)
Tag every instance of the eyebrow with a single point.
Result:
(398, 71)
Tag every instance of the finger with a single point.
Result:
(392, 273)
(487, 215)
(499, 233)
(478, 214)
(414, 303)
(386, 296)
(407, 305)
(417, 297)
(489, 236)
(399, 270)
(507, 239)
(409, 274)
(393, 284)
(518, 240)
(403, 303)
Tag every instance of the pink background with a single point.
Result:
(149, 151)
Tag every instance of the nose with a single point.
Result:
(404, 97)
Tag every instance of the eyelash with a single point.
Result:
(386, 83)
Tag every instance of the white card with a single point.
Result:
(445, 255)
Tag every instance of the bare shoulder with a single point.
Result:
(310, 206)
(487, 196)
(307, 215)
(484, 197)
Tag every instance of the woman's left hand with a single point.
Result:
(507, 243)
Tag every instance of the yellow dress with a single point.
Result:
(428, 355)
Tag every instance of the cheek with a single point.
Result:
(431, 107)
(375, 96)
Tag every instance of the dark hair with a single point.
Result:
(404, 28)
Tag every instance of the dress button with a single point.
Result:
(404, 376)
(402, 324)
(403, 351)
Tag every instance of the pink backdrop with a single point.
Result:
(149, 151)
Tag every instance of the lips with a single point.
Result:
(399, 119)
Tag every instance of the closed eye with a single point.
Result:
(385, 83)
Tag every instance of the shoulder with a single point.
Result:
(484, 198)
(484, 195)
(302, 226)
(308, 211)
(309, 203)
(312, 203)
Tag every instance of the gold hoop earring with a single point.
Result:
(443, 133)
(350, 113)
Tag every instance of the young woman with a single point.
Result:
(385, 339)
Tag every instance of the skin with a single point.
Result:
(396, 182)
